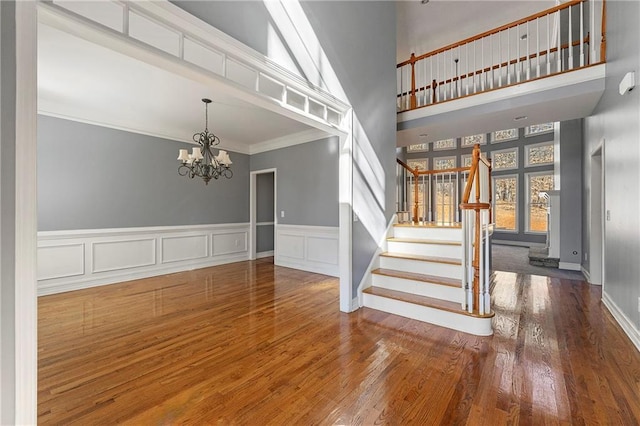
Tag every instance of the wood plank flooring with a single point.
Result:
(251, 343)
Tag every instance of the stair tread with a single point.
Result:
(423, 241)
(429, 225)
(434, 259)
(451, 282)
(425, 301)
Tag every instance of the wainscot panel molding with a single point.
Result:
(310, 248)
(73, 260)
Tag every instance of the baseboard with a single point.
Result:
(264, 254)
(625, 323)
(586, 274)
(570, 266)
(309, 248)
(73, 260)
(516, 243)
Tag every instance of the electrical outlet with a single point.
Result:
(608, 215)
(586, 256)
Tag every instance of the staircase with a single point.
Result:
(420, 277)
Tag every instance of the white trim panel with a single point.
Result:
(570, 266)
(72, 260)
(309, 248)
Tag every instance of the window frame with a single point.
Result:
(528, 133)
(426, 160)
(455, 145)
(536, 145)
(484, 140)
(516, 202)
(499, 151)
(527, 213)
(425, 149)
(463, 157)
(512, 138)
(448, 157)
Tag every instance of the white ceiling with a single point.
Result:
(86, 82)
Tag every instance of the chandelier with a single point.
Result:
(201, 162)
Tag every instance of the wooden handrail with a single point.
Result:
(549, 11)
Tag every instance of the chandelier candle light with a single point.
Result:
(201, 162)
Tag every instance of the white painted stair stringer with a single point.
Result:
(474, 325)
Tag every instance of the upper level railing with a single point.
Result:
(560, 39)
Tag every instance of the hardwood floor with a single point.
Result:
(251, 343)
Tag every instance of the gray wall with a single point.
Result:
(92, 177)
(7, 213)
(264, 211)
(359, 41)
(570, 192)
(616, 121)
(307, 181)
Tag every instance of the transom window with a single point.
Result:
(419, 147)
(466, 160)
(537, 204)
(441, 163)
(474, 139)
(505, 159)
(504, 135)
(444, 144)
(538, 129)
(420, 163)
(505, 204)
(539, 154)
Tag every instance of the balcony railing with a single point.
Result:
(554, 41)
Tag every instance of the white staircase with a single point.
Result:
(419, 277)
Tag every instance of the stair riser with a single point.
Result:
(441, 250)
(428, 233)
(436, 291)
(460, 322)
(420, 267)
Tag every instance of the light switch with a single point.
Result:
(281, 213)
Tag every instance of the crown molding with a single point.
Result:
(288, 140)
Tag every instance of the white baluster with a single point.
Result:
(487, 272)
(463, 261)
(581, 34)
(517, 69)
(538, 47)
(424, 198)
(570, 41)
(508, 56)
(527, 51)
(474, 67)
(466, 67)
(548, 45)
(559, 52)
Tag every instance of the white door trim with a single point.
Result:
(253, 208)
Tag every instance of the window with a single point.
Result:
(444, 144)
(538, 129)
(445, 202)
(504, 135)
(505, 208)
(536, 204)
(421, 163)
(538, 154)
(419, 147)
(474, 139)
(466, 160)
(505, 159)
(441, 163)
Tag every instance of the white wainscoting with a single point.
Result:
(310, 248)
(72, 260)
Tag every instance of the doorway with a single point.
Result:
(263, 213)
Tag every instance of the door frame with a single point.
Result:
(253, 210)
(597, 225)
